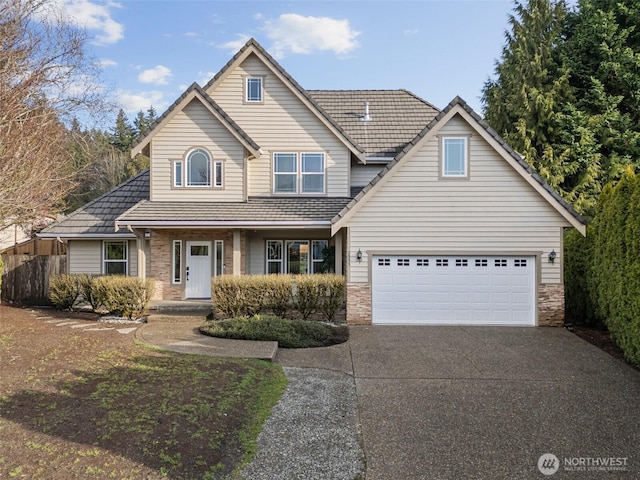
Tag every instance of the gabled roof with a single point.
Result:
(459, 106)
(396, 117)
(195, 91)
(253, 47)
(255, 213)
(97, 217)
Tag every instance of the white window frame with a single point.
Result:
(299, 173)
(176, 270)
(465, 153)
(279, 261)
(317, 262)
(218, 177)
(218, 259)
(247, 90)
(187, 181)
(290, 174)
(178, 171)
(125, 260)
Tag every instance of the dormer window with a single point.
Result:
(253, 89)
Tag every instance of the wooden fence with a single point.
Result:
(25, 278)
(37, 246)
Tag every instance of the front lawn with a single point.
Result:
(81, 404)
(288, 333)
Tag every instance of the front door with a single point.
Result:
(198, 268)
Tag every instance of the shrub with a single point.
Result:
(64, 290)
(229, 296)
(332, 290)
(127, 296)
(288, 333)
(278, 293)
(1, 272)
(88, 290)
(306, 295)
(577, 257)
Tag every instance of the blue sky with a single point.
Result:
(152, 50)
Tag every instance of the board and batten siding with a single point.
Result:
(282, 123)
(85, 256)
(192, 127)
(494, 211)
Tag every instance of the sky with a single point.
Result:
(152, 50)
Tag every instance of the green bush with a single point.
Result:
(288, 333)
(88, 291)
(577, 257)
(64, 290)
(126, 296)
(613, 267)
(1, 272)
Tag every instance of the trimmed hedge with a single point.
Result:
(288, 333)
(249, 295)
(602, 272)
(64, 290)
(126, 296)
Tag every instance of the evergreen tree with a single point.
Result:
(122, 135)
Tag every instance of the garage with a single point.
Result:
(453, 290)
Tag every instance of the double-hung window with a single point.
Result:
(299, 173)
(295, 256)
(455, 157)
(253, 89)
(115, 258)
(198, 170)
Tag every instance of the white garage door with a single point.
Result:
(453, 290)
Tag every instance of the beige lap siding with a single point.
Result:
(161, 257)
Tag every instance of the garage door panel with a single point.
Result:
(453, 290)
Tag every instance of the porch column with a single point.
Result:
(338, 254)
(142, 257)
(237, 258)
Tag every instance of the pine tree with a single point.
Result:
(122, 135)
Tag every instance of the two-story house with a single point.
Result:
(431, 217)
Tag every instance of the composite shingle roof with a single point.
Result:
(98, 216)
(270, 210)
(396, 117)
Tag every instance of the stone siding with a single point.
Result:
(358, 304)
(551, 305)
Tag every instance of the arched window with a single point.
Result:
(198, 168)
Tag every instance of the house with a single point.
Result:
(430, 216)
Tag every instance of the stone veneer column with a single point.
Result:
(550, 305)
(358, 303)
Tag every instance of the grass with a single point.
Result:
(100, 406)
(288, 333)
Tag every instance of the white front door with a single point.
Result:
(198, 269)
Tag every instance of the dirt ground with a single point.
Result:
(85, 401)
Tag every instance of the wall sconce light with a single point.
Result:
(359, 255)
(552, 256)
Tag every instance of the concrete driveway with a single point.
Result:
(483, 402)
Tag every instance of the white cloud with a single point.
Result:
(86, 14)
(234, 45)
(106, 62)
(258, 16)
(204, 77)
(190, 34)
(411, 31)
(158, 75)
(293, 33)
(134, 102)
